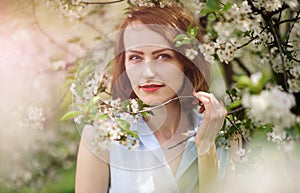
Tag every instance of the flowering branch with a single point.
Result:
(268, 19)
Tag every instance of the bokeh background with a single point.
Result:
(38, 45)
(41, 41)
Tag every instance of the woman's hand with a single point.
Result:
(214, 115)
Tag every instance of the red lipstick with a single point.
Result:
(151, 87)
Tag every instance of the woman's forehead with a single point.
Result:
(138, 34)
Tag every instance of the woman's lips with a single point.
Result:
(151, 87)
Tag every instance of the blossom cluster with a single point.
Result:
(235, 20)
(271, 106)
(152, 3)
(73, 9)
(34, 118)
(273, 5)
(225, 50)
(110, 118)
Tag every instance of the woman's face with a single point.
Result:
(155, 73)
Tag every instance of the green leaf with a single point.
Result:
(234, 105)
(192, 31)
(266, 128)
(183, 42)
(102, 116)
(73, 69)
(67, 84)
(92, 104)
(140, 104)
(181, 37)
(227, 6)
(123, 124)
(144, 114)
(232, 129)
(70, 77)
(297, 128)
(70, 115)
(213, 5)
(242, 81)
(205, 11)
(134, 134)
(125, 104)
(232, 92)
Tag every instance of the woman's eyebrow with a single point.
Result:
(135, 51)
(154, 52)
(161, 50)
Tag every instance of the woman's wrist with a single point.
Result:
(205, 147)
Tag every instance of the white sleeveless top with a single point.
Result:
(145, 169)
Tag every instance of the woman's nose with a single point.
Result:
(149, 71)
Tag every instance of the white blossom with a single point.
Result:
(73, 89)
(268, 5)
(295, 71)
(256, 77)
(294, 85)
(78, 119)
(73, 9)
(191, 53)
(281, 138)
(87, 93)
(271, 106)
(226, 51)
(126, 117)
(224, 29)
(277, 136)
(134, 106)
(36, 114)
(208, 50)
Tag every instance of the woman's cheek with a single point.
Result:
(133, 74)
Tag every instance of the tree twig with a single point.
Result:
(287, 20)
(161, 105)
(236, 110)
(101, 3)
(47, 35)
(245, 44)
(183, 141)
(238, 130)
(290, 29)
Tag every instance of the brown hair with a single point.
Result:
(172, 21)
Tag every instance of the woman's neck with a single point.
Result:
(167, 121)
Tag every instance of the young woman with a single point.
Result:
(150, 67)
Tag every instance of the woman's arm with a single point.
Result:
(209, 174)
(92, 172)
(215, 112)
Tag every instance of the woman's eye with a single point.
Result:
(135, 57)
(163, 56)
